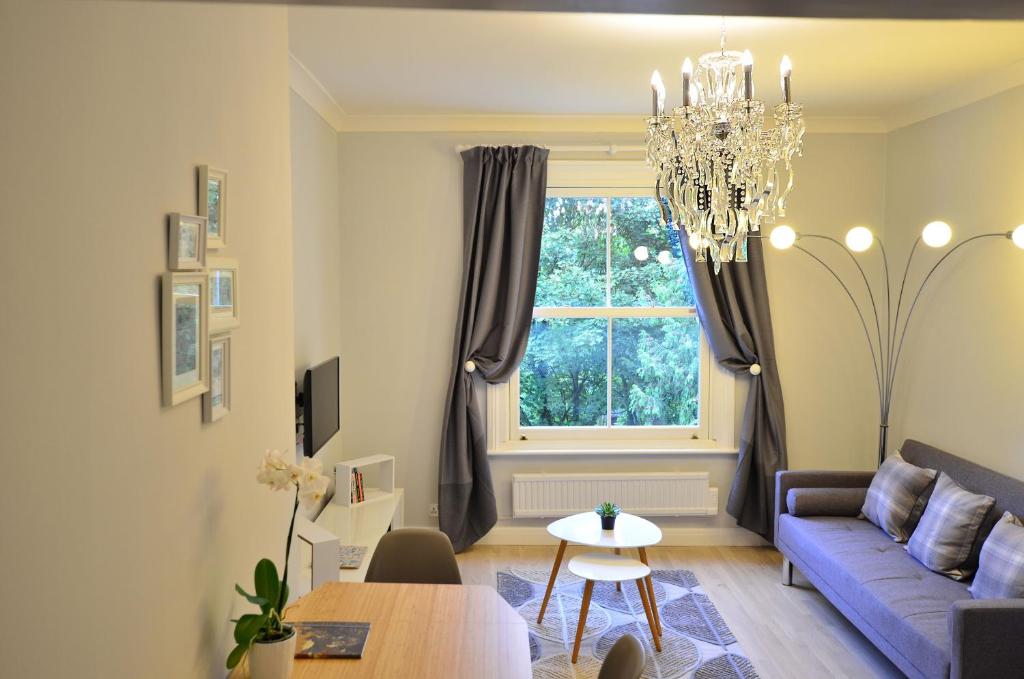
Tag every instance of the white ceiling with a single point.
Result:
(420, 62)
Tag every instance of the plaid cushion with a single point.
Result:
(1001, 573)
(893, 493)
(943, 539)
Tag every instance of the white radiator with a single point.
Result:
(646, 494)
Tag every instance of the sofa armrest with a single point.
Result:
(785, 480)
(985, 637)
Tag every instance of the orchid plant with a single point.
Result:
(271, 592)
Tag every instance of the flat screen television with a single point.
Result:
(320, 408)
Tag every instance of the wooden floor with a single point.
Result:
(788, 632)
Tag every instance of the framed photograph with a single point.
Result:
(186, 240)
(217, 401)
(185, 336)
(223, 273)
(213, 204)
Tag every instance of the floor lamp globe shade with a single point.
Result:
(1017, 236)
(859, 238)
(936, 234)
(782, 237)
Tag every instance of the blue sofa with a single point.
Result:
(926, 623)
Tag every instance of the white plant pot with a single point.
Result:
(273, 659)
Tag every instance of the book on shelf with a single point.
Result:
(330, 639)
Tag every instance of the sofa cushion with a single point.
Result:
(825, 501)
(902, 600)
(894, 495)
(1001, 573)
(945, 537)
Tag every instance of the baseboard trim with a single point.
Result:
(671, 537)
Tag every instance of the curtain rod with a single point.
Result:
(610, 149)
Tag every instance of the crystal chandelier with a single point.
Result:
(720, 173)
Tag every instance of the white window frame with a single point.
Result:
(716, 431)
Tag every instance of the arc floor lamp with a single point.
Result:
(886, 347)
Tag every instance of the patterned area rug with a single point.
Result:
(697, 644)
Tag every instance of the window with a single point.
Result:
(616, 352)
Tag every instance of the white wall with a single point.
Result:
(401, 224)
(318, 281)
(126, 524)
(959, 385)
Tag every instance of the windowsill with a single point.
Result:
(624, 447)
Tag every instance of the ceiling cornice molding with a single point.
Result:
(608, 124)
(306, 85)
(957, 96)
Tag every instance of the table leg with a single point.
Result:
(551, 580)
(650, 591)
(647, 610)
(588, 589)
(618, 585)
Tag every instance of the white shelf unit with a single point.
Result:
(343, 523)
(378, 479)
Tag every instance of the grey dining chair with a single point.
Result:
(625, 660)
(414, 555)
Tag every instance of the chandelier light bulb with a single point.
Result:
(936, 234)
(859, 238)
(782, 237)
(785, 66)
(1017, 236)
(665, 257)
(657, 94)
(642, 253)
(747, 59)
(694, 240)
(687, 68)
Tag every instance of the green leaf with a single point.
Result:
(268, 584)
(251, 598)
(236, 655)
(248, 627)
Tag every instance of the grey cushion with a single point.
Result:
(1008, 492)
(894, 494)
(945, 537)
(1001, 573)
(825, 501)
(902, 601)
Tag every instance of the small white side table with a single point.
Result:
(631, 532)
(603, 567)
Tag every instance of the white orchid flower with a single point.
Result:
(311, 470)
(311, 493)
(274, 471)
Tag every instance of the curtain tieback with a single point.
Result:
(755, 369)
(470, 367)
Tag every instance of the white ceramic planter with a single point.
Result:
(272, 660)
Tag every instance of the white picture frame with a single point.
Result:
(186, 241)
(185, 336)
(217, 401)
(224, 289)
(213, 204)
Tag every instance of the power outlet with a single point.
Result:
(432, 511)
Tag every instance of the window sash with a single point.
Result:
(609, 312)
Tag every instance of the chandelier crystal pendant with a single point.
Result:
(719, 171)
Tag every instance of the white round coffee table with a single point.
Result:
(603, 567)
(631, 532)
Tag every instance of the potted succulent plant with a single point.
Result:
(607, 511)
(265, 636)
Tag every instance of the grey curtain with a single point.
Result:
(503, 216)
(734, 311)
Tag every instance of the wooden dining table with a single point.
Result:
(418, 631)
